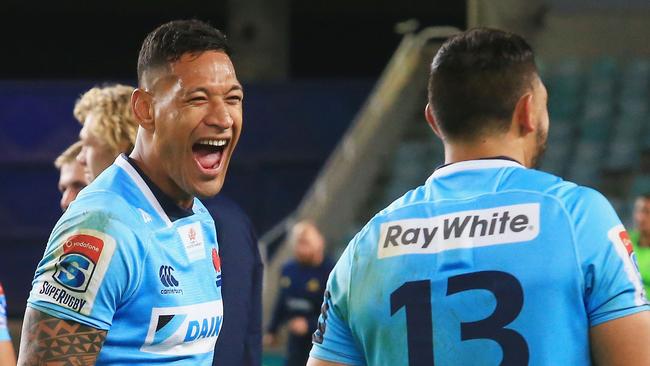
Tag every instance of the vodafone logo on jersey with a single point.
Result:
(76, 266)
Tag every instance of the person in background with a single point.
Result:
(302, 284)
(71, 174)
(109, 127)
(640, 237)
(240, 341)
(7, 354)
(489, 261)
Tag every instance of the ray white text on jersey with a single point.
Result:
(464, 229)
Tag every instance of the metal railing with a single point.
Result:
(341, 188)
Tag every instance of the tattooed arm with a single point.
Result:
(48, 340)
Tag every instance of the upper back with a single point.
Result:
(484, 262)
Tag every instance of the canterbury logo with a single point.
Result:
(166, 276)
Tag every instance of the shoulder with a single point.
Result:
(224, 208)
(549, 184)
(290, 267)
(231, 221)
(411, 197)
(102, 215)
(568, 194)
(579, 199)
(104, 205)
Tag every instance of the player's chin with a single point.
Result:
(208, 188)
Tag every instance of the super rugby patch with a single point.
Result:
(76, 270)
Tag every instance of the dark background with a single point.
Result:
(53, 52)
(99, 40)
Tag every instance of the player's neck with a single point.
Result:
(482, 148)
(317, 260)
(161, 180)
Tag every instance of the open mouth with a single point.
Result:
(208, 153)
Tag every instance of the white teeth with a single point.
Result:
(213, 142)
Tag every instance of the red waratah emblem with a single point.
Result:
(216, 261)
(625, 238)
(192, 234)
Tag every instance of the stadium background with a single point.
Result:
(310, 70)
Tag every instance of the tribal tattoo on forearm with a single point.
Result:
(49, 341)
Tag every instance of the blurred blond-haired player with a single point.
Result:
(71, 174)
(109, 127)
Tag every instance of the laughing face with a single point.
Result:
(197, 120)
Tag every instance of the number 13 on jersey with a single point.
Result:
(415, 298)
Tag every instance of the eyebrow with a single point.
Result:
(206, 91)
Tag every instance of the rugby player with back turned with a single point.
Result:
(125, 278)
(489, 262)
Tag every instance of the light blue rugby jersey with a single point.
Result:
(488, 263)
(115, 261)
(4, 327)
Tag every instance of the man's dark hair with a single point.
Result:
(476, 79)
(170, 41)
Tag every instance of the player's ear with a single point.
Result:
(142, 105)
(428, 114)
(524, 114)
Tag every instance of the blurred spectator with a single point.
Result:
(7, 354)
(71, 174)
(302, 284)
(640, 237)
(109, 127)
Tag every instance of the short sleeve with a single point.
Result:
(612, 283)
(89, 268)
(333, 340)
(4, 327)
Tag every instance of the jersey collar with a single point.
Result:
(484, 163)
(164, 206)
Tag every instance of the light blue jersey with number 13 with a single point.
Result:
(487, 263)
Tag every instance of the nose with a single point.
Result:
(66, 198)
(81, 157)
(219, 115)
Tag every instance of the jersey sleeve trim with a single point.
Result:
(333, 356)
(604, 318)
(62, 313)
